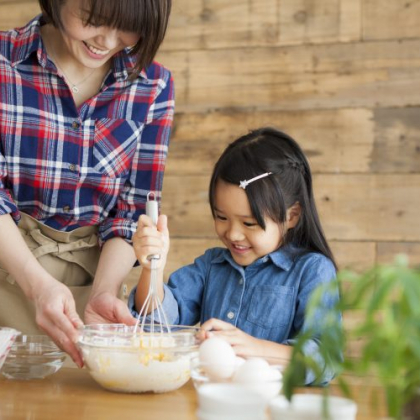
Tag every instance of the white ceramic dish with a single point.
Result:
(229, 401)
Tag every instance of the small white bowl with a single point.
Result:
(310, 407)
(229, 402)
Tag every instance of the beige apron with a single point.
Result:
(70, 257)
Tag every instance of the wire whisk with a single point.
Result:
(157, 321)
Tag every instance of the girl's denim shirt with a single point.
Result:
(266, 299)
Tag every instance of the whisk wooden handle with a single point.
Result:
(152, 209)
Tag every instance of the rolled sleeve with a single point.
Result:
(7, 204)
(320, 271)
(311, 348)
(169, 306)
(148, 166)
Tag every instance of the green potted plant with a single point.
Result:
(388, 300)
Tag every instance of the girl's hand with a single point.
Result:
(150, 239)
(243, 344)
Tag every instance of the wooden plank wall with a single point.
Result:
(341, 76)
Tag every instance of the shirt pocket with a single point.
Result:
(271, 307)
(114, 145)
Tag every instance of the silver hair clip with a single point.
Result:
(246, 182)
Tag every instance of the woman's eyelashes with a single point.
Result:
(250, 224)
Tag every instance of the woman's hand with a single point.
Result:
(105, 308)
(243, 344)
(56, 315)
(150, 239)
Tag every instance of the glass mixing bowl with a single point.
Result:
(32, 357)
(123, 359)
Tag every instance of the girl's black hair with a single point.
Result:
(148, 18)
(269, 150)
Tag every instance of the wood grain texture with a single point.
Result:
(335, 141)
(17, 13)
(313, 21)
(396, 19)
(397, 140)
(379, 207)
(368, 74)
(75, 395)
(214, 24)
(388, 250)
(352, 207)
(217, 24)
(384, 140)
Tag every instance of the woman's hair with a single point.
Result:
(269, 150)
(148, 18)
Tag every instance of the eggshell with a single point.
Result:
(217, 358)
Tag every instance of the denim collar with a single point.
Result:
(282, 258)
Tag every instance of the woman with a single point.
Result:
(84, 129)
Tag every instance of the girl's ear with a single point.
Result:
(293, 215)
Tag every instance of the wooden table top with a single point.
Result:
(72, 394)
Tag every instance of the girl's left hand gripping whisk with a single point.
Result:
(152, 304)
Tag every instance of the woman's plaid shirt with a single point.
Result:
(92, 165)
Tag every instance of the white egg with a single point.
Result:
(252, 370)
(239, 361)
(259, 376)
(217, 358)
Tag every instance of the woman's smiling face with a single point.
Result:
(92, 46)
(237, 228)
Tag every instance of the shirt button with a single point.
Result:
(75, 124)
(66, 209)
(231, 315)
(72, 167)
(241, 281)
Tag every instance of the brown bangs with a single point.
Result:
(124, 15)
(147, 18)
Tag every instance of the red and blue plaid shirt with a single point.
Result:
(92, 165)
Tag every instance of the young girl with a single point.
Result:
(253, 292)
(85, 119)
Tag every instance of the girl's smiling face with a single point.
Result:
(237, 228)
(91, 46)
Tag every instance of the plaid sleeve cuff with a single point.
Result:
(117, 228)
(7, 206)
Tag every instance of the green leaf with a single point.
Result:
(388, 297)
